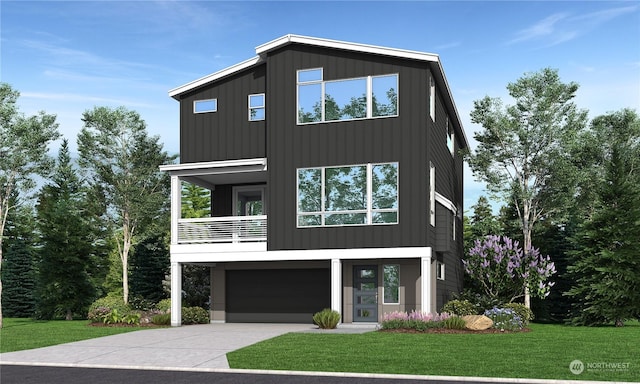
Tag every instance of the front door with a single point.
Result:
(365, 293)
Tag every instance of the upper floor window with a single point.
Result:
(349, 195)
(256, 107)
(432, 99)
(346, 99)
(204, 106)
(450, 138)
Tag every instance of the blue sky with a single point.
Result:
(66, 57)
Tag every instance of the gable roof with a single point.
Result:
(433, 60)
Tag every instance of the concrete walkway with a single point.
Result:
(194, 346)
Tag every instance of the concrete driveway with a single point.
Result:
(193, 346)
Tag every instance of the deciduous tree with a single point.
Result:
(123, 162)
(521, 152)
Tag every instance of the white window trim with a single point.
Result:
(432, 99)
(369, 92)
(383, 295)
(440, 270)
(250, 108)
(369, 211)
(432, 194)
(451, 138)
(203, 100)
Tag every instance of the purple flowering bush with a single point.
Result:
(502, 269)
(419, 321)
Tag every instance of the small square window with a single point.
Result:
(256, 107)
(205, 106)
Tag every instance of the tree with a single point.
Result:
(604, 262)
(521, 149)
(64, 280)
(19, 262)
(150, 264)
(196, 201)
(123, 162)
(23, 147)
(503, 270)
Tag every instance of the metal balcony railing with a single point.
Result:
(230, 229)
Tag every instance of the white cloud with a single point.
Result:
(559, 28)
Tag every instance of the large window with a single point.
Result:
(345, 99)
(349, 195)
(391, 280)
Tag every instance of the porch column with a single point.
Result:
(176, 294)
(176, 207)
(425, 282)
(336, 286)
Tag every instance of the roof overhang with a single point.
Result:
(211, 173)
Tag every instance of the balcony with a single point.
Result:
(230, 229)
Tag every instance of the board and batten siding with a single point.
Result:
(402, 139)
(226, 134)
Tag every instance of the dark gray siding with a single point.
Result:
(400, 139)
(226, 134)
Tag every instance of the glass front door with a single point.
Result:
(365, 293)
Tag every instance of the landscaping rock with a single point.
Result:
(477, 322)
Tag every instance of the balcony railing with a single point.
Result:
(230, 229)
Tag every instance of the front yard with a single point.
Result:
(607, 353)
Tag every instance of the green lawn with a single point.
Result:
(544, 353)
(20, 334)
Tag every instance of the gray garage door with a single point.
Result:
(276, 295)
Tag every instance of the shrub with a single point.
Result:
(132, 318)
(454, 322)
(194, 315)
(164, 305)
(104, 306)
(504, 319)
(162, 319)
(326, 319)
(140, 303)
(460, 308)
(419, 321)
(525, 314)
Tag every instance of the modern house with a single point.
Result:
(336, 181)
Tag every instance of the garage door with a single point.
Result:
(276, 295)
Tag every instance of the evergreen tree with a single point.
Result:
(18, 272)
(605, 265)
(64, 282)
(149, 265)
(196, 201)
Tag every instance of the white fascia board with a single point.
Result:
(365, 48)
(446, 203)
(205, 253)
(215, 76)
(212, 165)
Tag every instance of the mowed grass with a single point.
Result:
(544, 353)
(20, 334)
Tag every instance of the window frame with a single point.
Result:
(369, 96)
(432, 99)
(369, 211)
(215, 108)
(432, 194)
(384, 280)
(440, 270)
(451, 137)
(263, 106)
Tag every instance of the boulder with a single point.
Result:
(477, 322)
